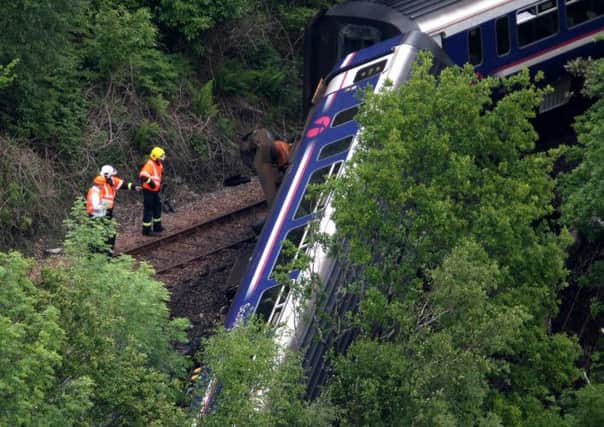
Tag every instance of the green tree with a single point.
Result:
(45, 102)
(192, 17)
(119, 330)
(588, 408)
(30, 353)
(88, 340)
(444, 210)
(582, 210)
(259, 386)
(582, 187)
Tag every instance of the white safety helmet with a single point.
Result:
(108, 171)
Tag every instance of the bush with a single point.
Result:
(28, 190)
(202, 100)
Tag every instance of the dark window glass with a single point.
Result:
(370, 70)
(579, 11)
(474, 46)
(502, 28)
(267, 301)
(353, 37)
(336, 147)
(344, 116)
(271, 303)
(537, 22)
(546, 5)
(312, 200)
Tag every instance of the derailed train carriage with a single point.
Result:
(327, 143)
(360, 44)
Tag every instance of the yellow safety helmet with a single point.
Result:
(157, 154)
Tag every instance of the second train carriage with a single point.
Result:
(498, 37)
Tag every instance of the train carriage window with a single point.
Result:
(537, 22)
(267, 302)
(352, 37)
(502, 29)
(312, 200)
(475, 46)
(580, 11)
(336, 147)
(273, 299)
(289, 251)
(370, 70)
(344, 116)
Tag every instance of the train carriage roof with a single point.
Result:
(414, 8)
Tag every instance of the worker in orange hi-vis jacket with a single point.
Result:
(100, 199)
(268, 157)
(151, 175)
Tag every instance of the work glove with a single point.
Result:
(151, 183)
(132, 186)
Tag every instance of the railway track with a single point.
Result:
(200, 242)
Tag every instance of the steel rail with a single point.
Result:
(157, 242)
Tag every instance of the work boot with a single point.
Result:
(157, 228)
(147, 231)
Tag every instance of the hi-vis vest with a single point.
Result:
(153, 170)
(280, 154)
(101, 196)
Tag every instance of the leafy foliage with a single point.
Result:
(202, 101)
(31, 342)
(7, 73)
(582, 187)
(122, 47)
(583, 211)
(45, 102)
(444, 210)
(256, 389)
(116, 36)
(192, 17)
(87, 341)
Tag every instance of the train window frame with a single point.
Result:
(284, 289)
(335, 123)
(347, 140)
(575, 2)
(320, 202)
(274, 292)
(300, 246)
(508, 34)
(279, 304)
(533, 12)
(469, 46)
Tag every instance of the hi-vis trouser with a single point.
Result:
(151, 212)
